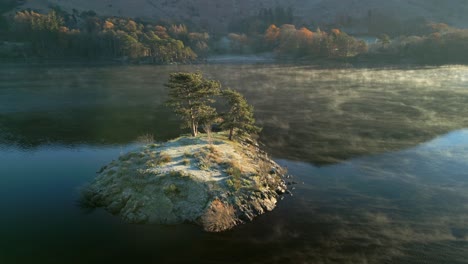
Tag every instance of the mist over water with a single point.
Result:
(379, 157)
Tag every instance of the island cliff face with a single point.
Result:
(212, 182)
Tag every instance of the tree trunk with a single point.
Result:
(194, 129)
(230, 133)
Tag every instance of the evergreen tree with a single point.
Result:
(240, 115)
(190, 96)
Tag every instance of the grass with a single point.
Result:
(235, 181)
(204, 163)
(219, 217)
(164, 158)
(207, 157)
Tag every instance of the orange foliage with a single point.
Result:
(161, 32)
(108, 25)
(304, 34)
(336, 31)
(272, 34)
(64, 29)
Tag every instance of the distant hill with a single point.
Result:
(216, 15)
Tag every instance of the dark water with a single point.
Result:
(379, 157)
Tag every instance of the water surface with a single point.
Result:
(378, 155)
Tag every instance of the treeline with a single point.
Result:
(59, 34)
(443, 45)
(86, 35)
(288, 41)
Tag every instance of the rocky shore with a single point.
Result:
(209, 181)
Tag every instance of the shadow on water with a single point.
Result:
(367, 190)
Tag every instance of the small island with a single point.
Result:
(214, 179)
(216, 185)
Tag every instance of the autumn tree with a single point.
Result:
(272, 35)
(305, 40)
(190, 96)
(239, 117)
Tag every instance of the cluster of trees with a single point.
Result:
(87, 35)
(192, 97)
(286, 40)
(443, 45)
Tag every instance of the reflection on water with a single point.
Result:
(398, 207)
(380, 177)
(412, 204)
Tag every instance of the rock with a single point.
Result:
(280, 191)
(188, 180)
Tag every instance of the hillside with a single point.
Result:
(215, 15)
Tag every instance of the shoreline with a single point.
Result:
(247, 60)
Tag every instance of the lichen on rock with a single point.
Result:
(215, 183)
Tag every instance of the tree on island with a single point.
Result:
(240, 114)
(190, 96)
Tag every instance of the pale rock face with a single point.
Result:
(216, 185)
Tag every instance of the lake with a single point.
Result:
(378, 158)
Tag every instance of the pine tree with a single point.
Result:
(240, 114)
(190, 97)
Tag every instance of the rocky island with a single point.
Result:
(216, 180)
(210, 181)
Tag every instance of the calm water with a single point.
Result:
(379, 157)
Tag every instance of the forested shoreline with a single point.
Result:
(86, 35)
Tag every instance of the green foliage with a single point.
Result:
(204, 161)
(240, 114)
(190, 97)
(235, 180)
(384, 40)
(59, 34)
(234, 172)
